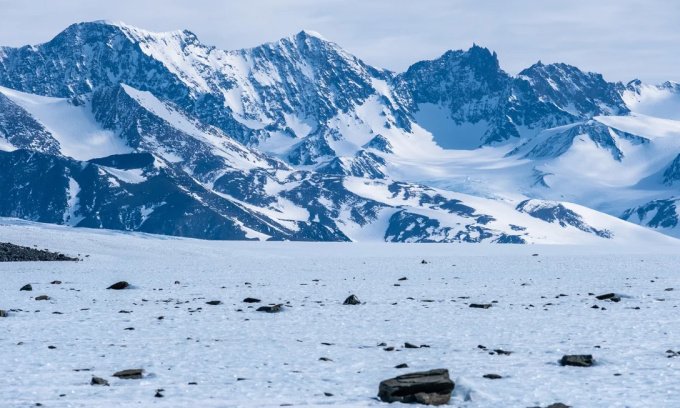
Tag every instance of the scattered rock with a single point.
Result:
(501, 352)
(605, 296)
(424, 262)
(492, 376)
(133, 374)
(558, 405)
(668, 289)
(26, 288)
(480, 306)
(213, 302)
(158, 394)
(402, 366)
(270, 309)
(56, 282)
(42, 297)
(325, 359)
(51, 347)
(176, 282)
(410, 346)
(389, 348)
(403, 279)
(428, 388)
(615, 299)
(99, 381)
(328, 394)
(352, 300)
(119, 285)
(577, 360)
(251, 300)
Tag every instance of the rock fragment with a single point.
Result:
(119, 285)
(577, 360)
(352, 300)
(132, 374)
(99, 381)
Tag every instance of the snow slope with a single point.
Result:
(251, 359)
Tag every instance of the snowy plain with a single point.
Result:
(254, 359)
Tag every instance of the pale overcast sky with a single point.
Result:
(622, 39)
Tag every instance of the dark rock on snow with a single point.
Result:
(213, 302)
(492, 376)
(270, 309)
(605, 296)
(99, 381)
(43, 297)
(577, 360)
(26, 288)
(3, 313)
(133, 374)
(251, 300)
(352, 300)
(428, 388)
(480, 306)
(15, 253)
(119, 285)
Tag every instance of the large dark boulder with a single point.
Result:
(428, 388)
(119, 285)
(134, 374)
(578, 360)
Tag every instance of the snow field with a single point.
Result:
(278, 354)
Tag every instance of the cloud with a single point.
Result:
(622, 39)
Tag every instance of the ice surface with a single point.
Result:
(278, 354)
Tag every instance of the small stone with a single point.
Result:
(328, 394)
(99, 381)
(558, 405)
(129, 328)
(325, 359)
(389, 348)
(403, 279)
(501, 352)
(56, 282)
(578, 360)
(27, 288)
(410, 346)
(251, 300)
(352, 300)
(595, 307)
(424, 262)
(492, 376)
(51, 347)
(605, 296)
(382, 344)
(119, 285)
(176, 282)
(402, 366)
(43, 297)
(193, 383)
(133, 374)
(213, 302)
(3, 313)
(270, 309)
(158, 394)
(480, 306)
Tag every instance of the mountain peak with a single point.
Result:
(311, 34)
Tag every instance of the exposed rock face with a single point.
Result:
(428, 388)
(15, 253)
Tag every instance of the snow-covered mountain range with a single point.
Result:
(110, 126)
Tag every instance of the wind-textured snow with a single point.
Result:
(252, 359)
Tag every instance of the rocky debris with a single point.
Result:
(328, 394)
(56, 282)
(119, 285)
(410, 346)
(668, 289)
(428, 388)
(501, 352)
(15, 253)
(51, 347)
(403, 279)
(404, 365)
(577, 360)
(480, 306)
(492, 376)
(325, 359)
(615, 299)
(176, 282)
(424, 262)
(42, 297)
(158, 393)
(270, 309)
(352, 300)
(670, 353)
(558, 405)
(213, 302)
(133, 374)
(390, 348)
(251, 300)
(27, 288)
(3, 313)
(605, 296)
(99, 381)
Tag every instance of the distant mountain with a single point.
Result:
(111, 126)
